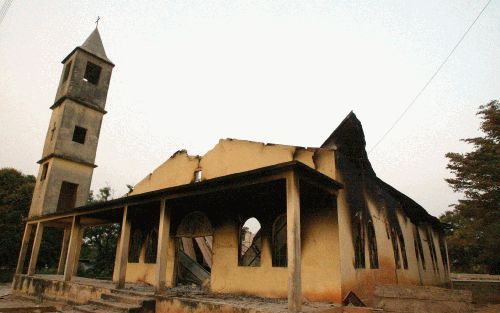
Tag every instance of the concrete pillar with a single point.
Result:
(293, 243)
(64, 251)
(24, 248)
(124, 247)
(117, 259)
(163, 239)
(75, 243)
(78, 249)
(35, 249)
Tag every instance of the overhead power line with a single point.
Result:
(431, 78)
(3, 10)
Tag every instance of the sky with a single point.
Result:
(189, 73)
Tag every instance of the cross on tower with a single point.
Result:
(97, 21)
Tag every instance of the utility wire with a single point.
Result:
(4, 9)
(430, 79)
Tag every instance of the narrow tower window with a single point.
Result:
(79, 134)
(67, 68)
(45, 168)
(92, 73)
(67, 196)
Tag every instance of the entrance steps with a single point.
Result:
(119, 301)
(417, 299)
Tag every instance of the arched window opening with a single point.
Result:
(442, 249)
(403, 250)
(419, 251)
(280, 258)
(372, 245)
(250, 243)
(432, 248)
(194, 249)
(136, 241)
(151, 246)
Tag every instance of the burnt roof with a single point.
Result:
(349, 139)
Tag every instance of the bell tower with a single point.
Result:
(69, 151)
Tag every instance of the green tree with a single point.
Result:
(16, 190)
(99, 242)
(474, 223)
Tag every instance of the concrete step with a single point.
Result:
(128, 292)
(91, 308)
(356, 309)
(116, 306)
(127, 298)
(416, 299)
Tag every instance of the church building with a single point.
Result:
(300, 224)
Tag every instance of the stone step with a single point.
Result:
(128, 292)
(428, 306)
(422, 292)
(91, 308)
(126, 298)
(416, 299)
(356, 309)
(116, 306)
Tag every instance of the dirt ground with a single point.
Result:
(492, 308)
(6, 299)
(4, 289)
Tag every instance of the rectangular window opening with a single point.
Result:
(67, 69)
(92, 73)
(45, 168)
(67, 196)
(79, 134)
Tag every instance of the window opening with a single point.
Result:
(280, 257)
(67, 69)
(92, 73)
(151, 247)
(136, 242)
(79, 134)
(250, 243)
(45, 168)
(67, 196)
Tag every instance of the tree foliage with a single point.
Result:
(99, 243)
(16, 190)
(474, 223)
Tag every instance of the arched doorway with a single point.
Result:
(194, 237)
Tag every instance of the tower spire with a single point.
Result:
(93, 44)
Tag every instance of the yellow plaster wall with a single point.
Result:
(363, 281)
(145, 272)
(231, 156)
(320, 262)
(429, 272)
(411, 275)
(46, 193)
(178, 170)
(320, 256)
(140, 273)
(430, 275)
(228, 277)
